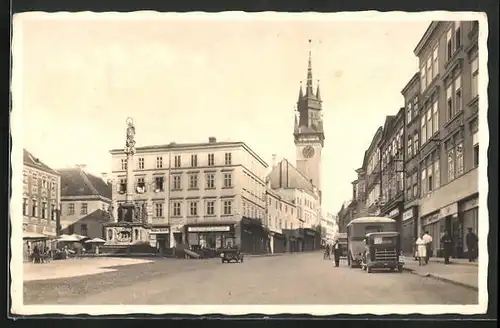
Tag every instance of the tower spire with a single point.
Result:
(318, 96)
(309, 87)
(301, 94)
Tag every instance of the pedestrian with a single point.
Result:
(428, 245)
(36, 254)
(471, 240)
(336, 253)
(447, 246)
(421, 250)
(326, 255)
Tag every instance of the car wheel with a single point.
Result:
(368, 269)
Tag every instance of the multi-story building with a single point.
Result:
(299, 190)
(393, 153)
(281, 216)
(41, 201)
(410, 225)
(371, 162)
(449, 145)
(85, 201)
(206, 194)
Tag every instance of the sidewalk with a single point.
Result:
(74, 267)
(459, 272)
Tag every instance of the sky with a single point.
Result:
(185, 79)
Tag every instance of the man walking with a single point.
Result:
(428, 245)
(336, 253)
(447, 247)
(471, 241)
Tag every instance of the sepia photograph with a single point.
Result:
(235, 163)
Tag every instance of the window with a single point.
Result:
(211, 160)
(423, 183)
(193, 181)
(415, 144)
(437, 174)
(159, 184)
(228, 183)
(140, 163)
(430, 174)
(475, 143)
(475, 77)
(451, 165)
(429, 123)
(210, 207)
(53, 186)
(25, 206)
(122, 186)
(423, 81)
(71, 209)
(435, 117)
(408, 189)
(159, 162)
(415, 106)
(449, 102)
(449, 45)
(141, 185)
(458, 36)
(227, 204)
(44, 183)
(34, 208)
(458, 94)
(25, 178)
(193, 208)
(409, 112)
(124, 164)
(158, 210)
(84, 229)
(429, 70)
(44, 210)
(84, 208)
(459, 159)
(414, 180)
(177, 209)
(53, 212)
(227, 159)
(423, 129)
(177, 182)
(210, 179)
(194, 160)
(177, 161)
(435, 61)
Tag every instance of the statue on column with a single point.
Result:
(130, 142)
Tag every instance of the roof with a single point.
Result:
(414, 80)
(30, 160)
(372, 219)
(77, 182)
(97, 215)
(176, 146)
(425, 37)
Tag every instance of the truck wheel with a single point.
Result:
(368, 269)
(222, 261)
(241, 259)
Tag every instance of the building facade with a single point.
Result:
(281, 217)
(410, 222)
(85, 201)
(206, 194)
(449, 145)
(393, 170)
(373, 175)
(41, 201)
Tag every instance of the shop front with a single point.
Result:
(253, 236)
(294, 240)
(468, 213)
(409, 232)
(312, 239)
(212, 236)
(278, 242)
(159, 237)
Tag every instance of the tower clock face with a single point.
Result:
(308, 151)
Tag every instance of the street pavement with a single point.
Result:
(300, 278)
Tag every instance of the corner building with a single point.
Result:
(449, 143)
(207, 194)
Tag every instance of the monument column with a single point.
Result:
(128, 208)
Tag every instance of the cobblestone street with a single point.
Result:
(302, 278)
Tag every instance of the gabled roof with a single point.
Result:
(77, 182)
(30, 160)
(281, 173)
(98, 216)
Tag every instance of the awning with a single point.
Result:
(96, 241)
(34, 235)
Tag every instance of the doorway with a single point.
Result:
(178, 238)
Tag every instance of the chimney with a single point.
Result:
(104, 176)
(212, 139)
(273, 162)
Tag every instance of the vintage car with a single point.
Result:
(356, 232)
(231, 254)
(382, 251)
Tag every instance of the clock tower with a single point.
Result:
(308, 130)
